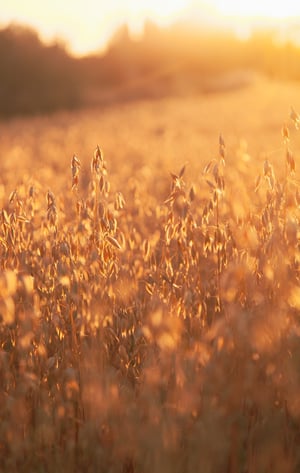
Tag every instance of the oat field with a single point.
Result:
(149, 286)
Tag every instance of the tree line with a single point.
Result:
(39, 78)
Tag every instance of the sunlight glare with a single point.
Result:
(256, 8)
(163, 13)
(88, 26)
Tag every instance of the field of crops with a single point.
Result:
(149, 286)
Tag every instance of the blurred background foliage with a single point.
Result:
(40, 78)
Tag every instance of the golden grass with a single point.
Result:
(149, 321)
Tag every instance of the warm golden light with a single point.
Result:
(87, 26)
(256, 8)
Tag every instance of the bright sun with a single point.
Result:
(164, 9)
(253, 8)
(268, 9)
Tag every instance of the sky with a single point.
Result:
(86, 25)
